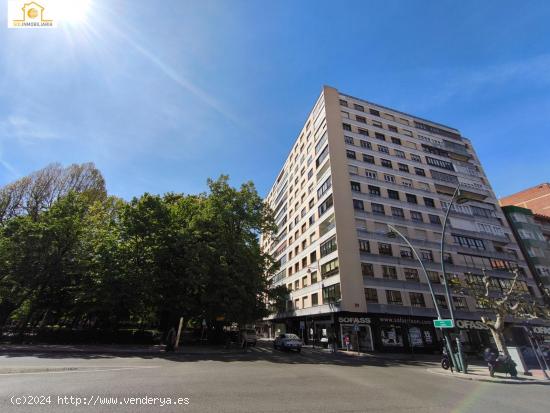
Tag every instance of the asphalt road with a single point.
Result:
(261, 380)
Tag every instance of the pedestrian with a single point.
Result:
(171, 340)
(347, 342)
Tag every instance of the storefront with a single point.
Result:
(358, 330)
(404, 334)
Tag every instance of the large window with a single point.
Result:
(358, 204)
(386, 163)
(394, 297)
(327, 203)
(384, 249)
(364, 245)
(350, 154)
(329, 268)
(374, 190)
(371, 295)
(439, 163)
(469, 242)
(378, 209)
(389, 272)
(355, 186)
(368, 158)
(393, 194)
(328, 246)
(417, 300)
(397, 212)
(411, 274)
(367, 269)
(321, 156)
(331, 294)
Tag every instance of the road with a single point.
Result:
(261, 380)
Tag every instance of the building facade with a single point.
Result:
(533, 235)
(537, 199)
(355, 168)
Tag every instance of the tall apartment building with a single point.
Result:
(537, 199)
(355, 168)
(532, 232)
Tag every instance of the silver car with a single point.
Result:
(288, 341)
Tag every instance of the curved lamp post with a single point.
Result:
(392, 234)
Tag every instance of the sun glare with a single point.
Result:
(73, 11)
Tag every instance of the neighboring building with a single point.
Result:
(355, 167)
(533, 234)
(537, 199)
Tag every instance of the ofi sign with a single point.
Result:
(354, 320)
(471, 325)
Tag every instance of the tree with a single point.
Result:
(502, 299)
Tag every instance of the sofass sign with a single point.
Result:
(471, 325)
(354, 320)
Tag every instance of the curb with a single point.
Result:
(462, 376)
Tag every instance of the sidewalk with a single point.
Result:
(481, 373)
(114, 349)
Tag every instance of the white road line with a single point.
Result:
(80, 371)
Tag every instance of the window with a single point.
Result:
(374, 190)
(376, 123)
(380, 136)
(365, 144)
(358, 107)
(429, 202)
(345, 114)
(406, 252)
(368, 158)
(440, 176)
(364, 245)
(411, 199)
(324, 188)
(415, 158)
(392, 128)
(350, 154)
(370, 174)
(330, 268)
(384, 249)
(331, 293)
(397, 212)
(389, 178)
(349, 140)
(386, 163)
(419, 171)
(355, 186)
(327, 203)
(367, 270)
(439, 163)
(383, 149)
(396, 141)
(313, 257)
(469, 242)
(328, 246)
(378, 209)
(353, 170)
(371, 295)
(394, 297)
(441, 301)
(322, 156)
(434, 277)
(434, 219)
(403, 167)
(406, 182)
(346, 126)
(460, 303)
(361, 119)
(389, 272)
(343, 103)
(417, 216)
(393, 194)
(363, 132)
(417, 300)
(399, 154)
(358, 204)
(374, 112)
(426, 255)
(411, 274)
(314, 299)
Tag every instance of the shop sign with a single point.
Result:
(471, 325)
(403, 320)
(354, 320)
(541, 330)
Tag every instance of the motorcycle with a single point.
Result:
(500, 363)
(446, 363)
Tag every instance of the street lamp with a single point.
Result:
(393, 234)
(458, 198)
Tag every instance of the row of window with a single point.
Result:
(395, 297)
(380, 209)
(392, 194)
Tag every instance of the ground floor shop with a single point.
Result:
(368, 332)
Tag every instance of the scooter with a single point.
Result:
(445, 360)
(500, 364)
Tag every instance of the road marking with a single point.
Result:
(80, 371)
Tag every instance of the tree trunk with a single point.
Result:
(499, 341)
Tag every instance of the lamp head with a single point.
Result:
(391, 234)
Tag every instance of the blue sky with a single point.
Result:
(162, 95)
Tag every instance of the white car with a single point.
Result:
(288, 341)
(248, 337)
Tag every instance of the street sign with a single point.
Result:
(444, 323)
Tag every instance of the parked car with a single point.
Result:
(248, 336)
(288, 341)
